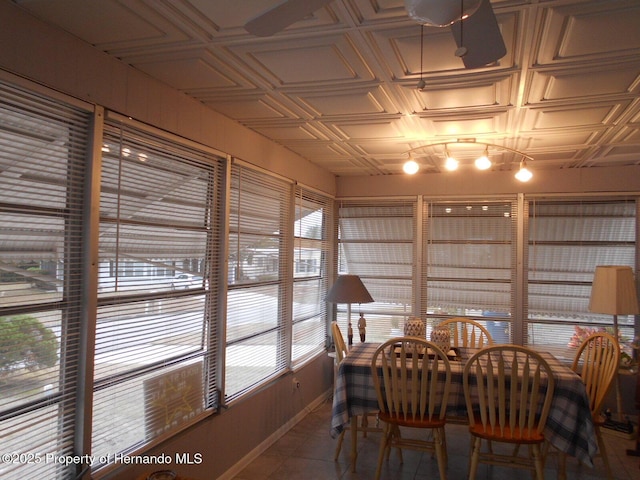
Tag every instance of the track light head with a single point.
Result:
(524, 174)
(483, 162)
(411, 167)
(450, 162)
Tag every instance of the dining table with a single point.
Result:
(569, 426)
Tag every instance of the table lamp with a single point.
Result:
(350, 289)
(614, 292)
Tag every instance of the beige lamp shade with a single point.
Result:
(614, 291)
(349, 289)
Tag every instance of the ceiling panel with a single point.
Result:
(584, 84)
(487, 92)
(565, 117)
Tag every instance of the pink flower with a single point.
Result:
(580, 335)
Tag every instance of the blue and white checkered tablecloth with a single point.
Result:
(569, 426)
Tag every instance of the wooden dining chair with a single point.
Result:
(467, 333)
(508, 391)
(597, 361)
(412, 379)
(365, 426)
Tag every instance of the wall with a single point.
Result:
(246, 428)
(56, 60)
(474, 183)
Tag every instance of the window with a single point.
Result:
(568, 238)
(259, 294)
(159, 244)
(469, 263)
(376, 240)
(43, 151)
(312, 229)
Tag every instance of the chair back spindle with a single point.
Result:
(467, 333)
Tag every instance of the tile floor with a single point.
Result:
(306, 453)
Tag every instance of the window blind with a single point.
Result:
(160, 220)
(312, 228)
(469, 263)
(43, 150)
(567, 239)
(376, 242)
(260, 265)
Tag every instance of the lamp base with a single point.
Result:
(624, 432)
(623, 429)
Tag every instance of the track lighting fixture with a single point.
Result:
(482, 162)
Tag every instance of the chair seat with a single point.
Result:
(517, 435)
(412, 422)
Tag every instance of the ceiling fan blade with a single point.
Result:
(481, 36)
(283, 15)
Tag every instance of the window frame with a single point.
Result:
(311, 322)
(245, 223)
(144, 295)
(486, 233)
(397, 237)
(58, 193)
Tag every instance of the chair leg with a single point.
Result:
(339, 446)
(384, 445)
(388, 449)
(537, 460)
(603, 453)
(475, 456)
(562, 466)
(354, 442)
(441, 452)
(365, 425)
(561, 456)
(444, 444)
(396, 432)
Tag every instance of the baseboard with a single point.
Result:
(274, 437)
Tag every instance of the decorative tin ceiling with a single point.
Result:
(339, 87)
